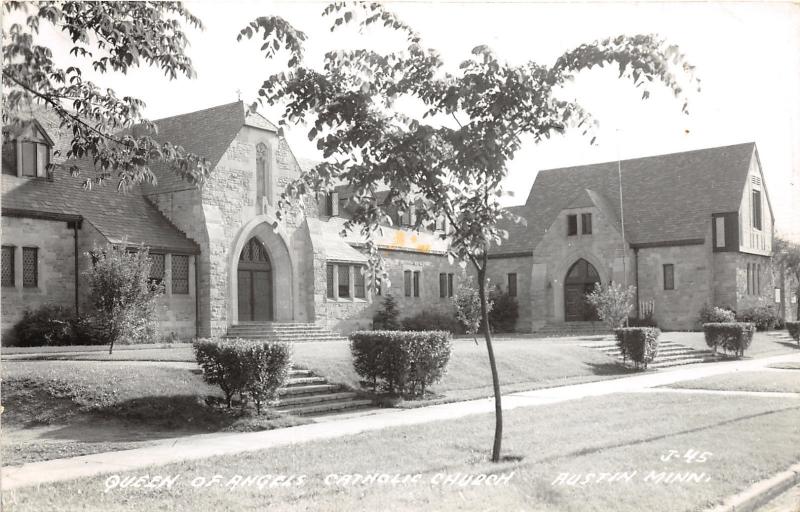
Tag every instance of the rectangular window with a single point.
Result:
(749, 280)
(29, 158)
(757, 209)
(586, 223)
(407, 283)
(719, 225)
(669, 276)
(8, 265)
(329, 276)
(758, 279)
(30, 267)
(344, 280)
(777, 295)
(180, 274)
(449, 285)
(442, 285)
(358, 283)
(157, 264)
(416, 283)
(512, 285)
(572, 225)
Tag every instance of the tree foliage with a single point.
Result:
(122, 294)
(109, 37)
(613, 303)
(467, 301)
(787, 256)
(450, 161)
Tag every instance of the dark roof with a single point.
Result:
(517, 242)
(116, 215)
(666, 198)
(207, 133)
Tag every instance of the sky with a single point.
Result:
(747, 56)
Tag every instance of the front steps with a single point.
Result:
(669, 354)
(572, 329)
(306, 393)
(280, 331)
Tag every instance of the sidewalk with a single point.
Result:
(209, 445)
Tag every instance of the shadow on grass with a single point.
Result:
(616, 368)
(787, 344)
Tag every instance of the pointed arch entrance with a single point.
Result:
(580, 281)
(254, 283)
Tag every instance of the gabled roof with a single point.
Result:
(666, 198)
(207, 133)
(116, 215)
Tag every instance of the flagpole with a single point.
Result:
(622, 221)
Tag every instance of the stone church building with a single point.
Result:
(698, 229)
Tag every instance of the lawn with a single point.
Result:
(59, 409)
(743, 439)
(765, 344)
(778, 381)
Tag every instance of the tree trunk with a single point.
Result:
(498, 407)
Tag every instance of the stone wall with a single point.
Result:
(730, 281)
(676, 309)
(56, 267)
(498, 270)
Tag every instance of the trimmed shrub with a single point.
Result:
(431, 321)
(713, 314)
(642, 322)
(729, 336)
(639, 344)
(794, 330)
(406, 362)
(504, 313)
(765, 318)
(386, 318)
(250, 368)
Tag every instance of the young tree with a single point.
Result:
(612, 302)
(787, 256)
(449, 162)
(111, 36)
(122, 294)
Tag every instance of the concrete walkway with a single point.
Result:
(209, 445)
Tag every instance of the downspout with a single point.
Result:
(196, 297)
(636, 277)
(75, 226)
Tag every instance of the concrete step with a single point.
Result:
(315, 398)
(324, 407)
(304, 381)
(309, 389)
(300, 372)
(280, 336)
(678, 362)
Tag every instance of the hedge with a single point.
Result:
(794, 330)
(639, 344)
(431, 321)
(765, 318)
(254, 369)
(406, 362)
(730, 336)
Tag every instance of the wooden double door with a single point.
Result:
(254, 280)
(580, 281)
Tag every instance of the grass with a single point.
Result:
(764, 344)
(749, 439)
(777, 381)
(64, 408)
(785, 366)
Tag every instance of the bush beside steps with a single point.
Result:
(252, 369)
(729, 336)
(794, 331)
(639, 344)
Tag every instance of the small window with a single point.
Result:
(757, 209)
(719, 225)
(407, 283)
(180, 274)
(669, 276)
(586, 223)
(29, 158)
(30, 267)
(749, 280)
(449, 285)
(8, 265)
(512, 285)
(156, 268)
(332, 204)
(344, 281)
(572, 225)
(758, 279)
(416, 283)
(442, 285)
(329, 276)
(777, 295)
(358, 283)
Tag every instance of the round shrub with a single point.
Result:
(504, 313)
(639, 344)
(46, 326)
(729, 336)
(765, 318)
(715, 314)
(794, 330)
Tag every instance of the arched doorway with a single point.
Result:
(254, 274)
(580, 281)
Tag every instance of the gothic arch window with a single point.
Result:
(263, 181)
